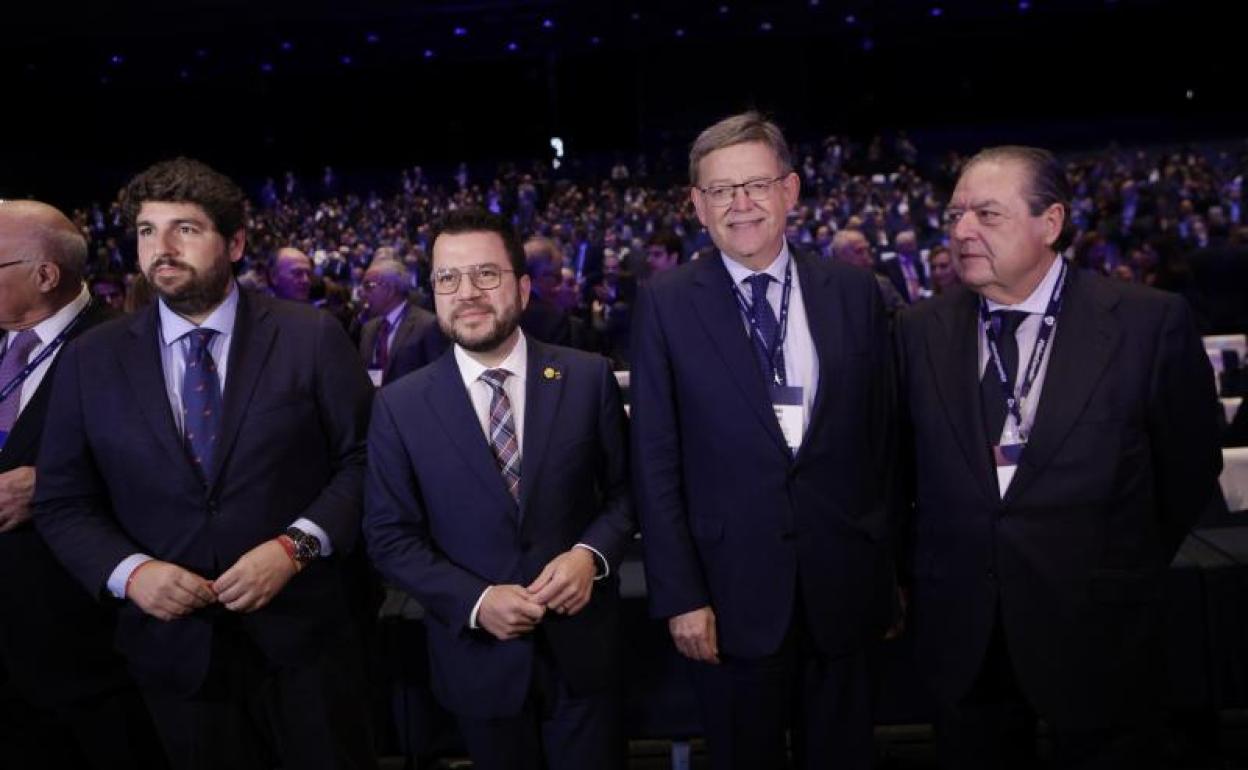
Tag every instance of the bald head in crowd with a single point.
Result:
(851, 247)
(42, 260)
(290, 274)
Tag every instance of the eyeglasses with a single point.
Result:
(484, 277)
(757, 190)
(13, 262)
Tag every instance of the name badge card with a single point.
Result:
(375, 376)
(790, 413)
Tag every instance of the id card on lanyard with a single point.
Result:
(1008, 448)
(786, 401)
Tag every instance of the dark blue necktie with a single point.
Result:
(1004, 323)
(767, 324)
(201, 400)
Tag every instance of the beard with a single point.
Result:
(486, 340)
(199, 293)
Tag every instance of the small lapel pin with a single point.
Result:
(550, 374)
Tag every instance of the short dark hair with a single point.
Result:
(1047, 183)
(478, 220)
(185, 180)
(670, 242)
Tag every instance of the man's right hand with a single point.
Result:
(168, 592)
(508, 611)
(694, 635)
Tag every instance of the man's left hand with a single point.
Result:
(16, 488)
(255, 578)
(565, 584)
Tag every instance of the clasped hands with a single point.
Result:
(167, 591)
(563, 586)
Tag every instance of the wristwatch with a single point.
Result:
(307, 547)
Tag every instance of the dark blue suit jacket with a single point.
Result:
(114, 478)
(1123, 457)
(441, 524)
(729, 517)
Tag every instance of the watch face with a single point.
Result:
(307, 547)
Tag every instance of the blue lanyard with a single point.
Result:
(44, 354)
(1015, 404)
(770, 352)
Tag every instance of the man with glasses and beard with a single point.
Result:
(497, 496)
(203, 464)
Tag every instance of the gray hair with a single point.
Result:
(739, 129)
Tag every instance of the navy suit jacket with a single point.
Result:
(1122, 459)
(114, 477)
(441, 524)
(730, 518)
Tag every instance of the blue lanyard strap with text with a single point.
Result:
(770, 352)
(47, 351)
(1014, 404)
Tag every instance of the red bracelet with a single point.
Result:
(129, 580)
(288, 545)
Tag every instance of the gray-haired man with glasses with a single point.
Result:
(761, 443)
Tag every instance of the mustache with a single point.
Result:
(166, 261)
(471, 309)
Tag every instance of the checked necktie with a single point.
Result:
(201, 400)
(503, 441)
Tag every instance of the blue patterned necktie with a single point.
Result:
(15, 359)
(1005, 324)
(201, 401)
(503, 440)
(767, 324)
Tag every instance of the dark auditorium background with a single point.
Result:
(274, 92)
(96, 91)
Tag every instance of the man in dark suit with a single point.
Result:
(762, 427)
(905, 268)
(394, 322)
(1043, 524)
(497, 496)
(204, 462)
(75, 704)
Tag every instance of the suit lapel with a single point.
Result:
(953, 354)
(541, 405)
(252, 339)
(826, 330)
(1083, 345)
(140, 358)
(450, 403)
(721, 317)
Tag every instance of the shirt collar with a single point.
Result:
(396, 313)
(740, 272)
(516, 362)
(174, 327)
(47, 329)
(1038, 301)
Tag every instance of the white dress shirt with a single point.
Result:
(46, 330)
(1028, 331)
(801, 361)
(174, 345)
(516, 362)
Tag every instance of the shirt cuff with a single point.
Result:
(314, 529)
(122, 572)
(604, 568)
(472, 616)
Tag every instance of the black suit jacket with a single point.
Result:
(441, 524)
(416, 325)
(1123, 457)
(115, 479)
(891, 268)
(55, 642)
(730, 518)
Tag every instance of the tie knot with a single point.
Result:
(1008, 321)
(22, 343)
(199, 339)
(758, 286)
(494, 377)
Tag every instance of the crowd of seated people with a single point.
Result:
(1171, 218)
